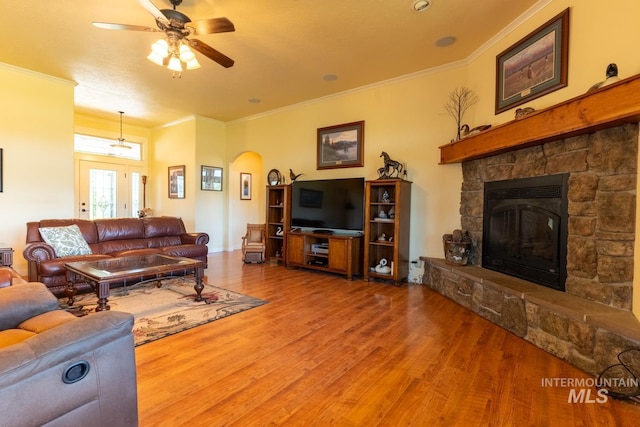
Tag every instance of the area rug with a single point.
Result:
(168, 309)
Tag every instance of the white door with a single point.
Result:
(108, 190)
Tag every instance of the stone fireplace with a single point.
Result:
(590, 323)
(592, 140)
(601, 205)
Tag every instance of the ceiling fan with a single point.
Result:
(178, 29)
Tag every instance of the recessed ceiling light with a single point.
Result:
(255, 100)
(445, 41)
(330, 77)
(420, 5)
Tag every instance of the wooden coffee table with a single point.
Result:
(129, 271)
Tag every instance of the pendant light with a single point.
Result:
(120, 143)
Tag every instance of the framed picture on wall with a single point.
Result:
(211, 178)
(341, 146)
(245, 186)
(176, 182)
(535, 66)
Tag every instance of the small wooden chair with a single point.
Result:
(254, 243)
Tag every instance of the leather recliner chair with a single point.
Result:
(58, 369)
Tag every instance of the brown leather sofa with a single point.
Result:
(110, 238)
(57, 369)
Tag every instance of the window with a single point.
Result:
(136, 204)
(105, 147)
(102, 194)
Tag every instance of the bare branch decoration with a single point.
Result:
(460, 100)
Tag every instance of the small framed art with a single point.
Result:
(211, 178)
(176, 182)
(245, 186)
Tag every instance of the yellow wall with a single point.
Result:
(599, 35)
(37, 143)
(404, 118)
(211, 206)
(173, 145)
(193, 141)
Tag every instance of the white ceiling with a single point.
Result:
(282, 49)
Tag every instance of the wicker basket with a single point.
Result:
(457, 253)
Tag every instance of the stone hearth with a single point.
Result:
(586, 334)
(590, 323)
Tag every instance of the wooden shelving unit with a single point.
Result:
(607, 107)
(340, 254)
(387, 236)
(278, 220)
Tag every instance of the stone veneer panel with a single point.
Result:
(602, 201)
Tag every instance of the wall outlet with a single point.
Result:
(416, 271)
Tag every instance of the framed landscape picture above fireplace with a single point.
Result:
(535, 66)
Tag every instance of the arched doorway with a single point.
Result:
(246, 205)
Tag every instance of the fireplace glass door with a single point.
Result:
(525, 231)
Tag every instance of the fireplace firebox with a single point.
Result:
(525, 229)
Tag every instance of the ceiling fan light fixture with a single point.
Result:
(193, 64)
(175, 27)
(161, 47)
(186, 54)
(155, 58)
(159, 51)
(175, 64)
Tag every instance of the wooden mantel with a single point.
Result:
(607, 107)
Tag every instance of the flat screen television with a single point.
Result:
(328, 204)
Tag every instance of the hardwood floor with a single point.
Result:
(327, 351)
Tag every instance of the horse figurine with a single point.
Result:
(391, 169)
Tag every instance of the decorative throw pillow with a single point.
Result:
(66, 241)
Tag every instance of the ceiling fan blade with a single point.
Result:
(213, 25)
(152, 9)
(110, 26)
(211, 53)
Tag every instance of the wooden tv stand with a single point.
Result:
(338, 253)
